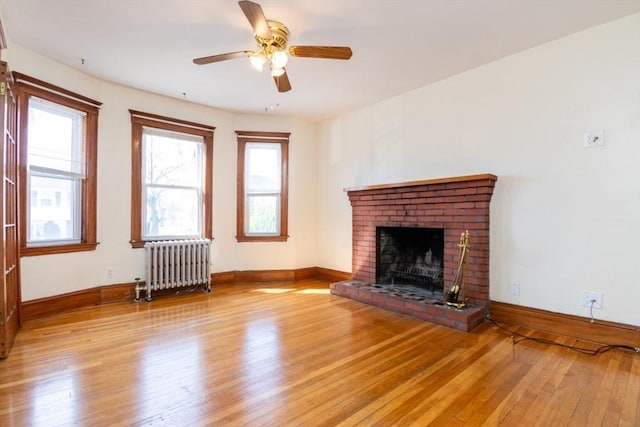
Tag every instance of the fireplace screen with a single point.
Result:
(410, 256)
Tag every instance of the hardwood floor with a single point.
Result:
(291, 354)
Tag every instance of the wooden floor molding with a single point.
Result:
(599, 331)
(290, 354)
(125, 291)
(73, 300)
(279, 275)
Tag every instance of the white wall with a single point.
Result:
(564, 218)
(49, 275)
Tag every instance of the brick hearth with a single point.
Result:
(454, 204)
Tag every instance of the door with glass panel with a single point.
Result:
(9, 247)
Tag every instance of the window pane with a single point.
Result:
(172, 212)
(262, 214)
(55, 137)
(262, 167)
(172, 159)
(54, 216)
(172, 173)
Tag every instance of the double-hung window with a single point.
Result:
(58, 138)
(262, 186)
(171, 185)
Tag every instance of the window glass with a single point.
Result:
(53, 218)
(262, 188)
(55, 167)
(262, 167)
(262, 212)
(172, 190)
(56, 137)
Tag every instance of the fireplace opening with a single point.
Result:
(411, 259)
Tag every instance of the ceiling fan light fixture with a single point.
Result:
(272, 38)
(258, 60)
(276, 71)
(279, 58)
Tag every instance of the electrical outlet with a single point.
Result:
(586, 297)
(515, 288)
(109, 272)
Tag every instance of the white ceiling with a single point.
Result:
(398, 45)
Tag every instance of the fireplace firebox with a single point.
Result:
(411, 257)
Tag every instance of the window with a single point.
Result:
(262, 186)
(171, 195)
(58, 142)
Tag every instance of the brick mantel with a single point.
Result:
(454, 204)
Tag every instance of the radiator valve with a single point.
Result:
(138, 289)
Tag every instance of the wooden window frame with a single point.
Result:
(26, 87)
(140, 119)
(281, 138)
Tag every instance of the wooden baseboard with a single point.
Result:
(265, 276)
(73, 300)
(305, 273)
(223, 277)
(126, 291)
(600, 331)
(280, 275)
(333, 275)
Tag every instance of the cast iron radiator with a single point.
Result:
(176, 264)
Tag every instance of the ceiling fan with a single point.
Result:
(272, 37)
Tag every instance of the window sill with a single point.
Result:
(262, 238)
(59, 249)
(135, 244)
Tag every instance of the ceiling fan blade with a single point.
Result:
(256, 18)
(325, 52)
(221, 57)
(282, 82)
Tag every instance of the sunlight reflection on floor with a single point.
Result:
(273, 290)
(298, 291)
(57, 394)
(313, 291)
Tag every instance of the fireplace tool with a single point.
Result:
(453, 296)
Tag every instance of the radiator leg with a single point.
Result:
(148, 294)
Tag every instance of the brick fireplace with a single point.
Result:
(453, 204)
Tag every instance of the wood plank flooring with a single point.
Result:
(290, 354)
